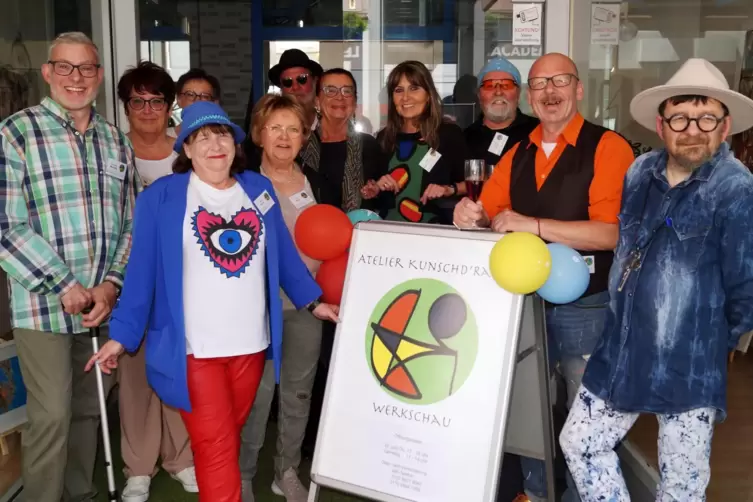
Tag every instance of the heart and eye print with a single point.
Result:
(230, 245)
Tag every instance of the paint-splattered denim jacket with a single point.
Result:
(669, 328)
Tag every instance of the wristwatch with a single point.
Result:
(118, 289)
(312, 306)
(454, 188)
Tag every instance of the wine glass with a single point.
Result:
(475, 176)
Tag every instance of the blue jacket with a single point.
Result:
(667, 335)
(152, 296)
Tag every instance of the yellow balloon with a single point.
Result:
(520, 262)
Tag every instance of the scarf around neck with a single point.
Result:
(353, 173)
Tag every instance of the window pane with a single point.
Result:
(654, 40)
(453, 39)
(26, 30)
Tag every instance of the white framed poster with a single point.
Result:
(419, 388)
(526, 23)
(12, 389)
(605, 23)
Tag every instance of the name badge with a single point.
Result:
(498, 143)
(116, 169)
(264, 202)
(429, 160)
(301, 199)
(590, 262)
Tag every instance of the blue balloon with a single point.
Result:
(358, 215)
(569, 277)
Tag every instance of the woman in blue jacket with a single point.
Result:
(210, 254)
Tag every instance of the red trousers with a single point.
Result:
(222, 391)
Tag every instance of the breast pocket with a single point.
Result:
(690, 237)
(629, 226)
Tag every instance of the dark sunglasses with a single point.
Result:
(302, 79)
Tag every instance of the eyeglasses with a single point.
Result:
(277, 130)
(302, 79)
(503, 83)
(331, 91)
(705, 123)
(156, 104)
(192, 96)
(561, 80)
(64, 68)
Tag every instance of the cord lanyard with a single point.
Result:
(635, 258)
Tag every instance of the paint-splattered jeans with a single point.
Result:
(573, 331)
(593, 430)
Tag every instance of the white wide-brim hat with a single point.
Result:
(695, 77)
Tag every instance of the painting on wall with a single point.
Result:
(742, 144)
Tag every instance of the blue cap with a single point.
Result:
(499, 64)
(201, 113)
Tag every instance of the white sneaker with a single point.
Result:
(187, 477)
(137, 489)
(290, 487)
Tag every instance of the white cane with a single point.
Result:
(112, 492)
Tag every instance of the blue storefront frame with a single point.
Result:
(260, 34)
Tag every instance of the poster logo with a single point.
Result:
(421, 341)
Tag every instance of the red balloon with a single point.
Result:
(331, 278)
(323, 232)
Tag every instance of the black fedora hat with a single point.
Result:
(293, 58)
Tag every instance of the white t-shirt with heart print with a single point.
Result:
(224, 274)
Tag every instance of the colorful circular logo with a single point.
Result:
(421, 341)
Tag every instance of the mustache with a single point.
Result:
(691, 142)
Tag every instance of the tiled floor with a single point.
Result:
(732, 456)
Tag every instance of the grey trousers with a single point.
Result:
(301, 341)
(59, 442)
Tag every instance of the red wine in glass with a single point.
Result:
(475, 175)
(473, 187)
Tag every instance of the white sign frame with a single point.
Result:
(507, 361)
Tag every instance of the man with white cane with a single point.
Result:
(67, 192)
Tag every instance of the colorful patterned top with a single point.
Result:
(66, 211)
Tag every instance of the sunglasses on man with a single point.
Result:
(302, 79)
(503, 83)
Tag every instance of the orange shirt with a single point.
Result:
(613, 158)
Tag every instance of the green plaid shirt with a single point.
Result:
(66, 211)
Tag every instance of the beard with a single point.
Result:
(499, 110)
(691, 153)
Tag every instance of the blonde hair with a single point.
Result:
(73, 37)
(271, 103)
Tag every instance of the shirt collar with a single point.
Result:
(64, 117)
(570, 133)
(703, 173)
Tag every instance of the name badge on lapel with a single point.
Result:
(264, 202)
(116, 169)
(301, 199)
(498, 143)
(429, 160)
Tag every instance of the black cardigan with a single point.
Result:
(449, 169)
(373, 162)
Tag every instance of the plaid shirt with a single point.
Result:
(66, 211)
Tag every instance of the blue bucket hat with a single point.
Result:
(499, 64)
(200, 114)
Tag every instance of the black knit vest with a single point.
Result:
(564, 196)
